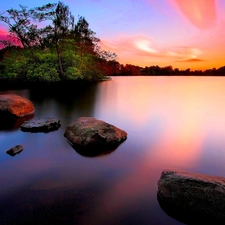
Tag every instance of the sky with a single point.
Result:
(178, 33)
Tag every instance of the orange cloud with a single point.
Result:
(192, 60)
(142, 50)
(201, 13)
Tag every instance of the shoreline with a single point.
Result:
(6, 83)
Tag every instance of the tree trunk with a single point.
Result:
(61, 72)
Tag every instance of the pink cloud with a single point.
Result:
(3, 33)
(200, 13)
(6, 36)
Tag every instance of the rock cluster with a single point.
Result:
(86, 133)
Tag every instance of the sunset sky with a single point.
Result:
(181, 33)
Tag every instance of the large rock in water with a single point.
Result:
(89, 133)
(192, 198)
(14, 105)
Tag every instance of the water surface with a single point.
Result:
(172, 122)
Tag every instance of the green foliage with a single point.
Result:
(89, 68)
(73, 73)
(62, 50)
(42, 67)
(15, 64)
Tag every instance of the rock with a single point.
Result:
(44, 124)
(105, 78)
(15, 150)
(14, 105)
(192, 198)
(88, 133)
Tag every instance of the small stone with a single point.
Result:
(15, 150)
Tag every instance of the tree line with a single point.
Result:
(64, 49)
(114, 68)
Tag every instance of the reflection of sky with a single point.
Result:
(172, 122)
(188, 114)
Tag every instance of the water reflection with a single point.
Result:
(94, 152)
(172, 122)
(186, 110)
(72, 100)
(185, 216)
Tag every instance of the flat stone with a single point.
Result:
(15, 105)
(15, 150)
(88, 133)
(192, 198)
(44, 124)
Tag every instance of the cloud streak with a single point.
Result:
(201, 13)
(192, 60)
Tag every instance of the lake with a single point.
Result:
(172, 122)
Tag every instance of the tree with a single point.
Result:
(71, 49)
(62, 22)
(55, 34)
(19, 22)
(84, 37)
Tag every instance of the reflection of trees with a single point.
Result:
(12, 122)
(67, 101)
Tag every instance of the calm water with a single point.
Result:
(172, 122)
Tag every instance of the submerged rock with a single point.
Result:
(44, 124)
(90, 134)
(15, 105)
(192, 198)
(15, 150)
